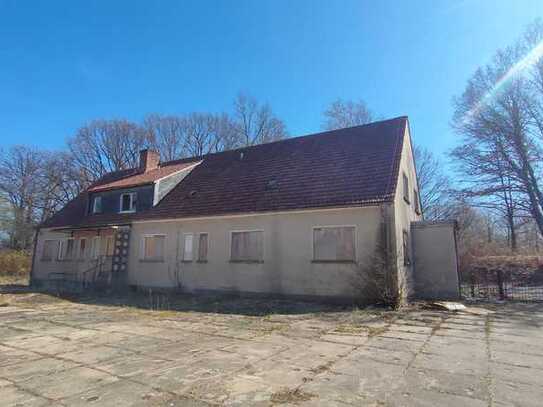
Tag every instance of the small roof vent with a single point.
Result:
(241, 155)
(192, 194)
(271, 185)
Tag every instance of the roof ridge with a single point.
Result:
(288, 139)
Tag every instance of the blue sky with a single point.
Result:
(63, 63)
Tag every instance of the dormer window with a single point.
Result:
(128, 202)
(97, 204)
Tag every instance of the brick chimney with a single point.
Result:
(149, 160)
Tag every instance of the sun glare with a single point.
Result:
(529, 60)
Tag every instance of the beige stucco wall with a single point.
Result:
(404, 213)
(43, 268)
(436, 270)
(288, 253)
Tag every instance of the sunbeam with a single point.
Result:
(519, 68)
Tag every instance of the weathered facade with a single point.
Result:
(297, 217)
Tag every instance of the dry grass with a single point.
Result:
(354, 329)
(291, 396)
(14, 267)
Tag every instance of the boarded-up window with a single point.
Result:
(82, 248)
(247, 246)
(153, 247)
(405, 188)
(49, 250)
(334, 243)
(188, 247)
(406, 253)
(202, 247)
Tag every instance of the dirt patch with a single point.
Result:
(291, 396)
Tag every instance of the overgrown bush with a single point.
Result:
(376, 280)
(14, 263)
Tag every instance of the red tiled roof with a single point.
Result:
(348, 167)
(134, 177)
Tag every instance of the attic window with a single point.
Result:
(405, 188)
(128, 202)
(97, 204)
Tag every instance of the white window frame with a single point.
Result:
(247, 261)
(355, 256)
(96, 243)
(185, 258)
(61, 254)
(52, 254)
(142, 248)
(207, 249)
(94, 200)
(132, 196)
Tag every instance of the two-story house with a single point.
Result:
(294, 217)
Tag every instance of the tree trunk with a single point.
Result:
(512, 231)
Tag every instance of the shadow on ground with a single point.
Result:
(184, 302)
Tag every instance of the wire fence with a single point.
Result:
(500, 285)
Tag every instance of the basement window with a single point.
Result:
(247, 246)
(128, 202)
(334, 244)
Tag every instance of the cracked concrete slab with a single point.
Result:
(97, 352)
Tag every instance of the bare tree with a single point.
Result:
(434, 185)
(20, 185)
(103, 146)
(61, 181)
(254, 123)
(346, 113)
(165, 133)
(500, 116)
(202, 134)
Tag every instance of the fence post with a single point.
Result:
(499, 275)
